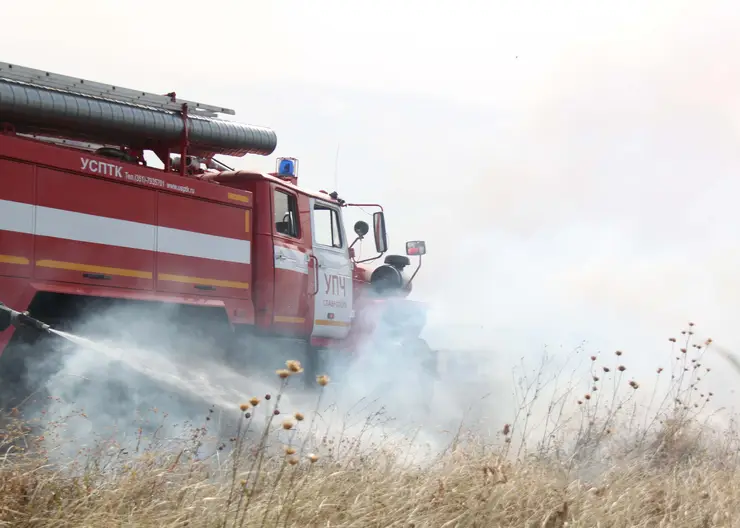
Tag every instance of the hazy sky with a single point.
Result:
(573, 166)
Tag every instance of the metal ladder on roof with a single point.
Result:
(65, 83)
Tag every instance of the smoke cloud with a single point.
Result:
(130, 377)
(571, 167)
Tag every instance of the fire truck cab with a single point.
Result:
(305, 269)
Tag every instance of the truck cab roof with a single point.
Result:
(232, 178)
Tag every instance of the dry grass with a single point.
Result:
(610, 463)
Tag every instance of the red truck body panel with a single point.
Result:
(119, 230)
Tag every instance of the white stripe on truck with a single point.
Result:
(81, 227)
(16, 216)
(191, 244)
(69, 225)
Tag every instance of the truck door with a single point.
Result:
(290, 255)
(333, 298)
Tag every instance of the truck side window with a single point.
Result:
(286, 214)
(326, 226)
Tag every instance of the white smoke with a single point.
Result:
(572, 168)
(136, 380)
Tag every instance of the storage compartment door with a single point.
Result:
(203, 248)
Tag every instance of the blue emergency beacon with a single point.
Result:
(286, 167)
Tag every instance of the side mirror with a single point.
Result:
(416, 248)
(361, 228)
(381, 237)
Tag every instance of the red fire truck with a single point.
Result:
(86, 223)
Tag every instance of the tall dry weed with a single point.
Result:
(588, 453)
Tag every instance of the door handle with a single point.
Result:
(315, 274)
(96, 276)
